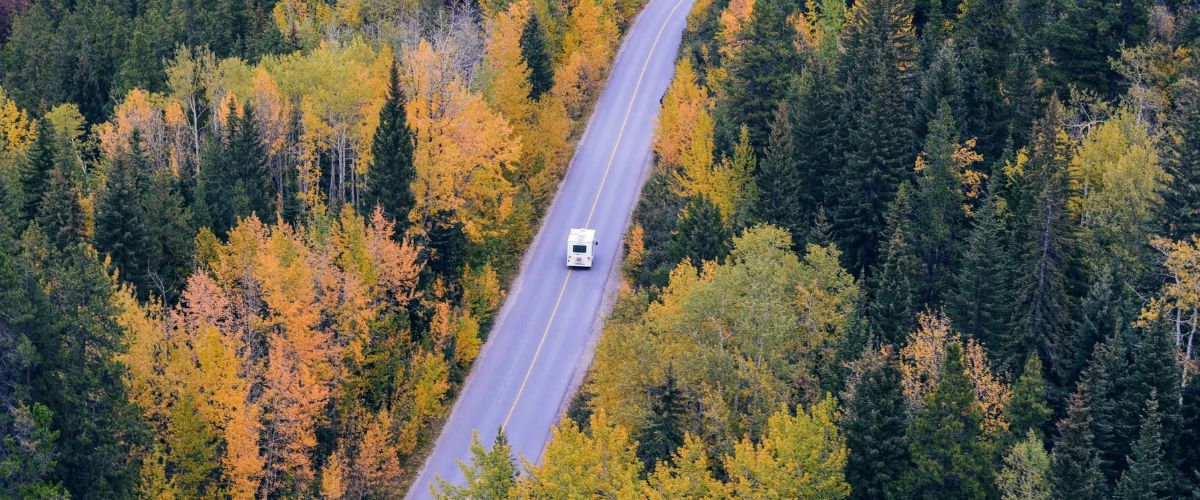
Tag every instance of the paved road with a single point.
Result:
(542, 333)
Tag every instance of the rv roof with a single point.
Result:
(581, 235)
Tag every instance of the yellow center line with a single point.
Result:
(620, 133)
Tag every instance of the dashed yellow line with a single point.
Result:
(620, 133)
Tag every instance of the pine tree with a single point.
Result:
(940, 202)
(779, 181)
(1148, 475)
(35, 176)
(122, 229)
(980, 303)
(892, 310)
(760, 73)
(815, 113)
(662, 433)
(949, 456)
(1027, 410)
(391, 173)
(875, 421)
(533, 51)
(878, 149)
(1075, 465)
(701, 234)
(492, 473)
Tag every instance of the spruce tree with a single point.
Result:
(815, 113)
(170, 236)
(1181, 204)
(662, 433)
(390, 176)
(1149, 474)
(1075, 465)
(701, 234)
(949, 456)
(1189, 435)
(248, 154)
(218, 192)
(891, 313)
(59, 213)
(760, 73)
(491, 474)
(1102, 312)
(940, 214)
(80, 380)
(533, 51)
(875, 422)
(1044, 300)
(35, 176)
(1027, 409)
(1084, 35)
(980, 303)
(877, 113)
(779, 181)
(122, 228)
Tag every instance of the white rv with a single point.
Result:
(581, 244)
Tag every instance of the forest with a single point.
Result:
(251, 248)
(888, 248)
(903, 249)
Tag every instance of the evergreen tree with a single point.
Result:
(1075, 465)
(891, 313)
(1102, 313)
(28, 454)
(533, 51)
(980, 303)
(59, 214)
(248, 155)
(42, 158)
(1181, 204)
(82, 383)
(815, 116)
(1027, 410)
(1026, 471)
(662, 433)
(169, 252)
(875, 421)
(446, 249)
(821, 233)
(760, 73)
(492, 473)
(950, 457)
(1084, 35)
(1189, 435)
(1044, 301)
(391, 173)
(701, 234)
(218, 192)
(779, 181)
(122, 228)
(940, 202)
(878, 149)
(1148, 475)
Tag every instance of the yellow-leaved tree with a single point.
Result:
(600, 462)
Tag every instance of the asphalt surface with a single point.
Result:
(541, 339)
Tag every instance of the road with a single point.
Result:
(541, 339)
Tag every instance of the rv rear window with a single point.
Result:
(579, 248)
